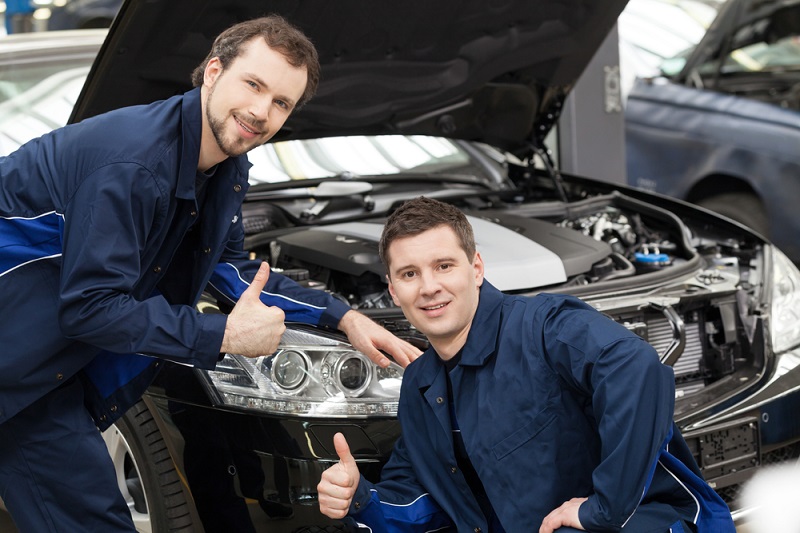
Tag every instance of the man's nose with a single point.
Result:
(259, 108)
(429, 285)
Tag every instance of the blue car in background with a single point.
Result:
(721, 126)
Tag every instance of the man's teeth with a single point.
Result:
(245, 127)
(434, 307)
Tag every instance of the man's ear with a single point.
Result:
(477, 264)
(391, 291)
(213, 70)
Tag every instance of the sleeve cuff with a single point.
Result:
(591, 517)
(361, 498)
(209, 342)
(333, 314)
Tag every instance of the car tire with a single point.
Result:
(741, 207)
(146, 474)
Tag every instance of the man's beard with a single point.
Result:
(217, 125)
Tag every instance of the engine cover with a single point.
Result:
(519, 253)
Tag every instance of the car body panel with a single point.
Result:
(677, 135)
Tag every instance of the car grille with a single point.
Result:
(689, 374)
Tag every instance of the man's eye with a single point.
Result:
(445, 266)
(282, 104)
(252, 84)
(408, 274)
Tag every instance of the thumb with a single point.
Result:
(343, 451)
(259, 281)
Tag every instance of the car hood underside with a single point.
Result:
(492, 71)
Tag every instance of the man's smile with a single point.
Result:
(246, 127)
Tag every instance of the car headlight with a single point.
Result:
(785, 324)
(311, 374)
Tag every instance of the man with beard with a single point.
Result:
(110, 230)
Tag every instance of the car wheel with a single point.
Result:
(741, 207)
(146, 474)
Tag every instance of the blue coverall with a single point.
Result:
(554, 401)
(104, 251)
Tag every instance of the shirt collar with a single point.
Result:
(481, 341)
(482, 338)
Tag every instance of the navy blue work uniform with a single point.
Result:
(104, 250)
(554, 401)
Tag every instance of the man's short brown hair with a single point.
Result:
(422, 214)
(279, 35)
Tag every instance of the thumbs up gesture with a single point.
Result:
(254, 329)
(339, 482)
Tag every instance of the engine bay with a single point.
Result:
(598, 242)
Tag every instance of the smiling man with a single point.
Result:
(247, 102)
(110, 230)
(525, 414)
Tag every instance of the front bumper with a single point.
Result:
(247, 471)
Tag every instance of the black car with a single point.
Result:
(452, 100)
(721, 127)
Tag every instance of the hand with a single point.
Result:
(339, 482)
(369, 338)
(254, 329)
(566, 515)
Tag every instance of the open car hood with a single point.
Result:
(738, 24)
(495, 71)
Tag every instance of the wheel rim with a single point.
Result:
(120, 453)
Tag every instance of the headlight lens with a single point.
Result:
(785, 324)
(289, 370)
(310, 375)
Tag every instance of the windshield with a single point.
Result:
(763, 56)
(770, 41)
(356, 155)
(764, 39)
